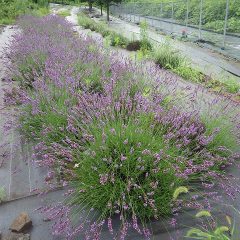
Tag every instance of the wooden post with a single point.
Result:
(108, 18)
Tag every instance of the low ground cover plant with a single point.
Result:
(109, 130)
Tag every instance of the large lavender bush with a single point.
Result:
(109, 129)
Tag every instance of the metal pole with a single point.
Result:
(172, 15)
(121, 10)
(200, 20)
(130, 11)
(152, 13)
(225, 24)
(139, 16)
(134, 11)
(125, 11)
(161, 9)
(187, 14)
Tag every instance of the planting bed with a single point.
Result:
(131, 144)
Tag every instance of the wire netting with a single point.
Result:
(213, 22)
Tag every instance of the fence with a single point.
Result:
(210, 21)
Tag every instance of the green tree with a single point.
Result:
(102, 3)
(90, 4)
(107, 3)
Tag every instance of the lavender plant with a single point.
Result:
(109, 129)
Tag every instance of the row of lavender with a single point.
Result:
(110, 131)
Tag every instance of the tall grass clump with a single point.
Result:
(108, 129)
(167, 57)
(225, 227)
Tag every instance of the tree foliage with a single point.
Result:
(10, 9)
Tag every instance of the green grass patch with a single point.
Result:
(64, 13)
(40, 12)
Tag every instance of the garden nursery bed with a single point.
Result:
(132, 149)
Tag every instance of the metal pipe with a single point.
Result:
(130, 11)
(134, 12)
(152, 13)
(172, 15)
(200, 19)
